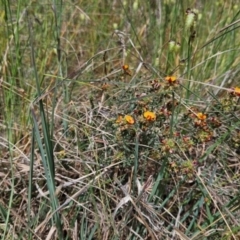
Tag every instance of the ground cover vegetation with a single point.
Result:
(120, 119)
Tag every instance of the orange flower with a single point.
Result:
(201, 116)
(126, 69)
(129, 119)
(150, 116)
(237, 91)
(171, 79)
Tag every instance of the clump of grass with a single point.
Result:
(116, 126)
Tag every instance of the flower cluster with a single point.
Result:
(127, 119)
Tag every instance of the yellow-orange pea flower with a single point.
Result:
(150, 116)
(126, 69)
(129, 119)
(237, 91)
(171, 79)
(201, 116)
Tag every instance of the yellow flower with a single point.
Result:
(171, 79)
(201, 116)
(129, 119)
(150, 116)
(237, 91)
